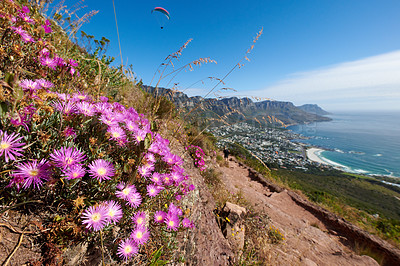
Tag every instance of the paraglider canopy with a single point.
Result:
(165, 14)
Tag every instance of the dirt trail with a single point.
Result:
(307, 240)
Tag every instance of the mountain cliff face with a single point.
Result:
(233, 109)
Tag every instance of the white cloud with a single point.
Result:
(369, 83)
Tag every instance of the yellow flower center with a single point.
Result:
(159, 218)
(81, 97)
(96, 217)
(111, 213)
(171, 223)
(116, 135)
(75, 174)
(101, 171)
(69, 160)
(139, 235)
(140, 220)
(152, 190)
(128, 249)
(126, 191)
(4, 145)
(34, 172)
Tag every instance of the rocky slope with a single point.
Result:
(312, 235)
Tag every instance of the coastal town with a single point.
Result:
(274, 145)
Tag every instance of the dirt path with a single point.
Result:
(307, 241)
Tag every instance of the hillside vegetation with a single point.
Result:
(77, 159)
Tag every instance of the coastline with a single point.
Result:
(313, 155)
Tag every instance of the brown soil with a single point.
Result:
(307, 240)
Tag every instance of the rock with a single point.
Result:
(235, 229)
(235, 212)
(308, 262)
(75, 255)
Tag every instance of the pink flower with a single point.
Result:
(85, 108)
(187, 223)
(159, 216)
(125, 191)
(114, 211)
(10, 145)
(95, 217)
(101, 170)
(152, 190)
(34, 173)
(135, 199)
(127, 249)
(48, 61)
(172, 222)
(139, 219)
(74, 172)
(67, 157)
(140, 235)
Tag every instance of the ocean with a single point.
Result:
(364, 143)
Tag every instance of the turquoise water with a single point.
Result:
(365, 143)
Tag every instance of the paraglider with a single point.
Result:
(162, 15)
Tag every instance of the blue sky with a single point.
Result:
(340, 54)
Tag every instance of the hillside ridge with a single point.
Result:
(233, 109)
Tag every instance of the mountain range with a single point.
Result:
(233, 110)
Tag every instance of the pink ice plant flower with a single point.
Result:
(74, 172)
(140, 235)
(30, 85)
(26, 18)
(10, 145)
(68, 132)
(85, 108)
(117, 134)
(172, 222)
(167, 180)
(187, 223)
(108, 118)
(125, 191)
(139, 219)
(95, 217)
(160, 216)
(45, 84)
(25, 9)
(131, 126)
(80, 96)
(19, 30)
(174, 209)
(145, 171)
(46, 26)
(101, 170)
(34, 173)
(127, 249)
(67, 156)
(135, 199)
(114, 212)
(66, 108)
(152, 190)
(156, 178)
(48, 61)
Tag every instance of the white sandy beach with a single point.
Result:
(312, 155)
